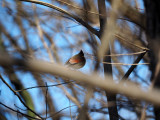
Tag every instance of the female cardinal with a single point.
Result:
(77, 61)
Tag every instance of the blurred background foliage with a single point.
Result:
(29, 30)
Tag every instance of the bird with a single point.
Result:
(77, 61)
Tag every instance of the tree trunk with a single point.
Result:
(153, 32)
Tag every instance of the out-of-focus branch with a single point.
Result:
(40, 33)
(133, 15)
(121, 37)
(50, 102)
(102, 19)
(72, 98)
(113, 112)
(127, 88)
(110, 27)
(20, 24)
(46, 98)
(90, 28)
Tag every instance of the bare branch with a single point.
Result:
(42, 86)
(66, 13)
(127, 88)
(19, 97)
(25, 115)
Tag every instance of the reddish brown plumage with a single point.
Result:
(77, 61)
(72, 61)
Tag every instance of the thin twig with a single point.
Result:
(46, 98)
(43, 86)
(123, 39)
(127, 54)
(19, 97)
(116, 55)
(133, 66)
(25, 115)
(19, 107)
(61, 110)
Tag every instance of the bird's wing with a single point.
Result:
(73, 61)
